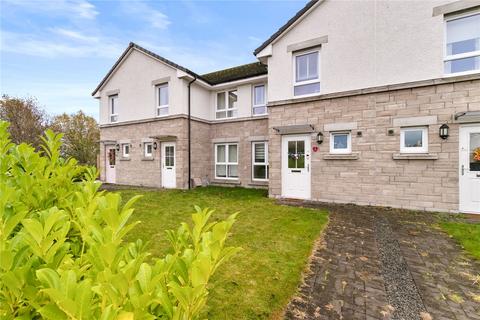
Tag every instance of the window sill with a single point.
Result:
(259, 183)
(125, 159)
(148, 158)
(226, 182)
(415, 156)
(348, 156)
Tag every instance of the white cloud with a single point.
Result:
(74, 35)
(69, 8)
(41, 46)
(141, 10)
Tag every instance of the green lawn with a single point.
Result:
(276, 242)
(467, 234)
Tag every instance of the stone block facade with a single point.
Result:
(139, 171)
(378, 176)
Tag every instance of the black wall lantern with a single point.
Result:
(319, 138)
(155, 146)
(117, 147)
(443, 131)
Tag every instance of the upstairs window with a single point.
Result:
(259, 100)
(462, 52)
(113, 102)
(414, 140)
(226, 104)
(307, 73)
(162, 100)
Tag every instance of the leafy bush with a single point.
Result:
(61, 250)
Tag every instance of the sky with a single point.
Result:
(57, 51)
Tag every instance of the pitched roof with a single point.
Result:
(148, 52)
(236, 73)
(297, 16)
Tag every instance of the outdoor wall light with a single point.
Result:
(155, 146)
(117, 147)
(319, 138)
(443, 131)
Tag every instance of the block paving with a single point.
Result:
(413, 271)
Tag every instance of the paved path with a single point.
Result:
(378, 263)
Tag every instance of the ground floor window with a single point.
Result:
(260, 160)
(414, 140)
(340, 142)
(126, 150)
(148, 149)
(226, 161)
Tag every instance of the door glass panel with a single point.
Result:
(475, 151)
(111, 157)
(292, 153)
(169, 156)
(301, 154)
(296, 154)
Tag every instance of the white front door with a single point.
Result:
(470, 169)
(169, 177)
(110, 164)
(296, 166)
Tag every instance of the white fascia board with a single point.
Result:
(239, 82)
(266, 52)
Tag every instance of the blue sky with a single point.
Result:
(59, 50)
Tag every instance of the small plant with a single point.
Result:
(62, 254)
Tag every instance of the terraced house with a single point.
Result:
(366, 102)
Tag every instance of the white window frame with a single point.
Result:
(422, 149)
(266, 164)
(264, 105)
(124, 154)
(157, 96)
(227, 109)
(145, 152)
(349, 142)
(299, 83)
(447, 57)
(227, 162)
(111, 115)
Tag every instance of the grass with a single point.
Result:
(467, 234)
(276, 241)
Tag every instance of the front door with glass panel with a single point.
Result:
(470, 169)
(169, 177)
(296, 167)
(110, 174)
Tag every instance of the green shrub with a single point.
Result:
(61, 250)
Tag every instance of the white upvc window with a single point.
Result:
(414, 140)
(341, 142)
(226, 161)
(260, 161)
(148, 149)
(462, 44)
(226, 104)
(113, 107)
(162, 99)
(259, 100)
(306, 77)
(126, 150)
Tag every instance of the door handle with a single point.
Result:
(463, 169)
